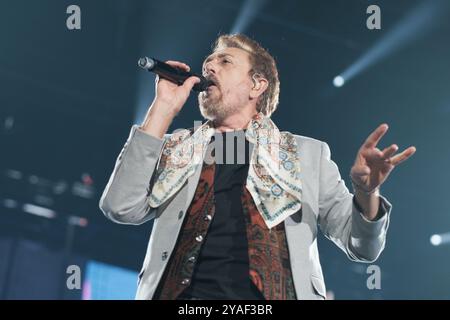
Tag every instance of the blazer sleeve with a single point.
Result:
(125, 197)
(341, 220)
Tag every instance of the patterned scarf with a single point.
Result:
(274, 174)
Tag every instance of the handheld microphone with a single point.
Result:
(172, 74)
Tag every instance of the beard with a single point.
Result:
(212, 106)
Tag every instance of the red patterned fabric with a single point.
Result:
(269, 266)
(180, 268)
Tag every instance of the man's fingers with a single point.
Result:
(178, 64)
(389, 151)
(375, 136)
(190, 82)
(399, 158)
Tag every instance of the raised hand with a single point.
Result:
(372, 166)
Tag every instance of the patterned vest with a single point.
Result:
(269, 265)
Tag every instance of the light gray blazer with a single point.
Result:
(326, 202)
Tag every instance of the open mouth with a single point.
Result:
(212, 83)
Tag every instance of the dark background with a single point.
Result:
(68, 99)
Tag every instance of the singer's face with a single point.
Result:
(229, 70)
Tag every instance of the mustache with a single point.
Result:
(213, 80)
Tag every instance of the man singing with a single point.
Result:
(244, 227)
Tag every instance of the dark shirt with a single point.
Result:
(222, 269)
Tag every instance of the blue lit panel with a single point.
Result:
(107, 282)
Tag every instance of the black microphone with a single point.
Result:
(172, 74)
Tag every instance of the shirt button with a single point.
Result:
(185, 282)
(208, 217)
(164, 256)
(180, 214)
(199, 238)
(191, 259)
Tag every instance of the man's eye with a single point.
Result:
(226, 61)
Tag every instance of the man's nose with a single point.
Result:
(209, 68)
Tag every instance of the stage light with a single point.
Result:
(38, 211)
(440, 239)
(10, 203)
(87, 179)
(78, 221)
(436, 239)
(13, 174)
(247, 14)
(338, 81)
(416, 23)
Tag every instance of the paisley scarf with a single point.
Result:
(274, 173)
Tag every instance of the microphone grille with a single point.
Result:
(146, 63)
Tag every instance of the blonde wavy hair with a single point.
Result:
(263, 65)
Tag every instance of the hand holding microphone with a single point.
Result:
(173, 86)
(175, 73)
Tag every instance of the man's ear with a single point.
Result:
(260, 85)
